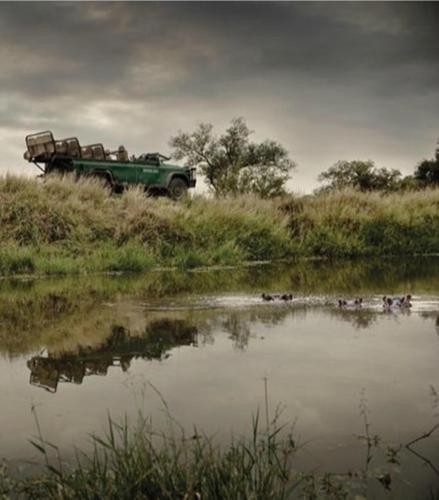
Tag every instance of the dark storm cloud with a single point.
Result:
(55, 48)
(99, 66)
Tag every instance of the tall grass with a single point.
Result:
(352, 223)
(138, 462)
(62, 226)
(134, 461)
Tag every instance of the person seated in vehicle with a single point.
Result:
(122, 154)
(86, 153)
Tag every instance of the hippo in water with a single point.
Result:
(397, 302)
(358, 302)
(269, 297)
(403, 301)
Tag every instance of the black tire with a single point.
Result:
(177, 188)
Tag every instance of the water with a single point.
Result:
(78, 349)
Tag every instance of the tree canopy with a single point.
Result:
(427, 172)
(231, 163)
(362, 175)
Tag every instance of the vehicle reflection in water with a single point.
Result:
(119, 349)
(190, 328)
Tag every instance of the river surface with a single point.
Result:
(203, 347)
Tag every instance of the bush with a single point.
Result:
(16, 260)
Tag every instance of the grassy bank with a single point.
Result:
(351, 223)
(62, 226)
(66, 227)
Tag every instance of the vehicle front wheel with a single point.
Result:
(177, 188)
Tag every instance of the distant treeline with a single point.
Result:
(365, 176)
(233, 165)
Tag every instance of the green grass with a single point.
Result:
(350, 223)
(135, 461)
(16, 260)
(138, 462)
(61, 226)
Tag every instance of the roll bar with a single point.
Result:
(42, 147)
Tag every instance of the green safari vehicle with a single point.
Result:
(115, 168)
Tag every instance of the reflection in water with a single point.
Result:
(431, 315)
(119, 349)
(190, 328)
(317, 356)
(359, 318)
(238, 329)
(53, 306)
(156, 341)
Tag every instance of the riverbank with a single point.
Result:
(65, 227)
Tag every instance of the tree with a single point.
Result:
(362, 175)
(231, 163)
(427, 171)
(409, 183)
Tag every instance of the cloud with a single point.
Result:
(357, 78)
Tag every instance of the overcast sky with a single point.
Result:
(330, 81)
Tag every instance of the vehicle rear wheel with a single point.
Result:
(177, 188)
(104, 178)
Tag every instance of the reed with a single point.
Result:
(138, 462)
(134, 460)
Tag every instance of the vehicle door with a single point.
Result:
(149, 172)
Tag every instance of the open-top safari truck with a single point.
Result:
(115, 168)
